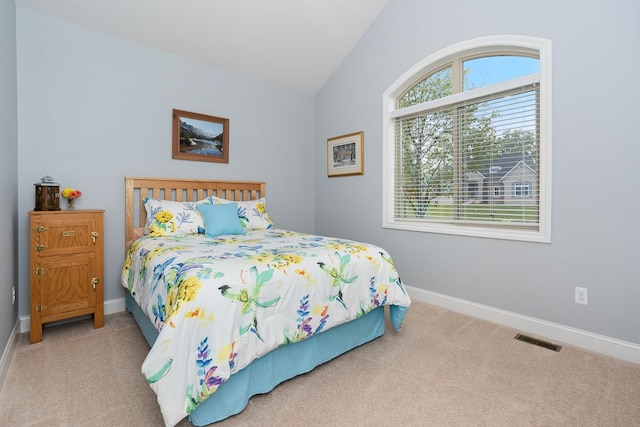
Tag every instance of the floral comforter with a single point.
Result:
(219, 303)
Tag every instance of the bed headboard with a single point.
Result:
(180, 190)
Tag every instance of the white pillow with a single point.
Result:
(166, 217)
(253, 213)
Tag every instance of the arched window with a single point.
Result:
(464, 129)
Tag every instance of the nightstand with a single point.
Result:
(66, 267)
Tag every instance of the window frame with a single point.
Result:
(456, 54)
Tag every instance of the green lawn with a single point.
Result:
(502, 213)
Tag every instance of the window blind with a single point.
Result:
(475, 160)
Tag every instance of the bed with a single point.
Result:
(230, 312)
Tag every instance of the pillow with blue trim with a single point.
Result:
(220, 219)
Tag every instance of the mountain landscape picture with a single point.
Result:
(200, 137)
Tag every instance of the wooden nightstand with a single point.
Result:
(66, 264)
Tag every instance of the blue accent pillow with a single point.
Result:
(220, 219)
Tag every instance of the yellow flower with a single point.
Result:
(185, 292)
(291, 258)
(305, 275)
(156, 229)
(337, 246)
(163, 224)
(302, 273)
(355, 248)
(71, 193)
(189, 288)
(200, 314)
(164, 216)
(263, 258)
(320, 310)
(225, 353)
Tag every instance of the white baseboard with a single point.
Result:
(8, 351)
(111, 306)
(608, 346)
(114, 306)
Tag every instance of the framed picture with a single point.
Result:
(200, 137)
(345, 155)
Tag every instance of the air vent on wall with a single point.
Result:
(539, 343)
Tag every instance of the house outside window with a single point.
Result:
(521, 190)
(464, 128)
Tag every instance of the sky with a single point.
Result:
(495, 69)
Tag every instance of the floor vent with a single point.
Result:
(538, 342)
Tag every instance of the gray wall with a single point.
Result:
(94, 108)
(8, 170)
(595, 231)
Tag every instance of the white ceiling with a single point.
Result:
(294, 43)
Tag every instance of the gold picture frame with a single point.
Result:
(200, 137)
(345, 155)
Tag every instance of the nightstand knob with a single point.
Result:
(94, 236)
(41, 229)
(94, 282)
(40, 248)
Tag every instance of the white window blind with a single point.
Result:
(451, 160)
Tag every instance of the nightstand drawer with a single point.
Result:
(64, 234)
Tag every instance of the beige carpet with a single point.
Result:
(444, 369)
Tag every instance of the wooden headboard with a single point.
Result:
(180, 190)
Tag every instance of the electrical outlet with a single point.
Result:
(13, 295)
(582, 295)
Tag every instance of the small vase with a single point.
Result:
(70, 204)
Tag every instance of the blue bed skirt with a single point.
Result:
(285, 362)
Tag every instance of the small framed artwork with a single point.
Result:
(345, 155)
(200, 137)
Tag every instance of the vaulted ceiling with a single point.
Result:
(294, 43)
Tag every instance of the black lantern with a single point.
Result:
(47, 194)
